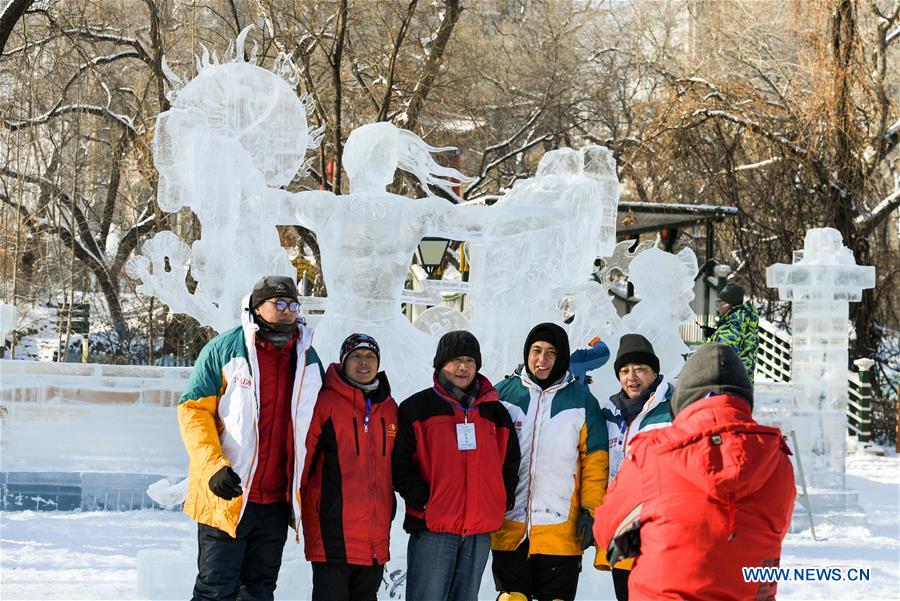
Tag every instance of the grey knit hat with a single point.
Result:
(713, 368)
(733, 294)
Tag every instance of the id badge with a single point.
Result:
(465, 437)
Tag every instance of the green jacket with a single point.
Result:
(739, 329)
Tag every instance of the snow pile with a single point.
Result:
(98, 555)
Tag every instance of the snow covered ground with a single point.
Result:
(93, 555)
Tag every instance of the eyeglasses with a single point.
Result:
(281, 305)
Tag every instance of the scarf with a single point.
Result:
(463, 397)
(630, 408)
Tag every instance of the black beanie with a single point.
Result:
(555, 335)
(733, 294)
(712, 368)
(458, 343)
(273, 286)
(634, 348)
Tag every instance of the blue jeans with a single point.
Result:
(445, 567)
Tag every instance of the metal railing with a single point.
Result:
(859, 401)
(773, 362)
(773, 359)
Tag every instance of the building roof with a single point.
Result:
(644, 217)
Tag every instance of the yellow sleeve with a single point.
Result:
(594, 468)
(199, 431)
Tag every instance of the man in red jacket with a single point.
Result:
(348, 499)
(456, 464)
(697, 501)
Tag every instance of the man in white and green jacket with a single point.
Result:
(642, 404)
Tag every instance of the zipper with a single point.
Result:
(531, 473)
(356, 435)
(372, 493)
(383, 438)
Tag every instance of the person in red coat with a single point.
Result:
(699, 500)
(347, 492)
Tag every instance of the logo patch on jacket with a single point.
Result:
(242, 382)
(518, 424)
(392, 430)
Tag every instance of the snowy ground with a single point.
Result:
(64, 555)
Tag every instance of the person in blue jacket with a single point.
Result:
(589, 359)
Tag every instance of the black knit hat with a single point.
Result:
(273, 286)
(713, 368)
(458, 343)
(358, 341)
(555, 335)
(634, 348)
(733, 294)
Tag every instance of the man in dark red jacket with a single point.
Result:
(348, 499)
(456, 464)
(697, 501)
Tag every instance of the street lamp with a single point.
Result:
(430, 253)
(721, 272)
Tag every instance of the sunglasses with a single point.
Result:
(281, 305)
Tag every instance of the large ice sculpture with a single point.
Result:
(232, 136)
(367, 239)
(519, 276)
(823, 279)
(665, 284)
(237, 134)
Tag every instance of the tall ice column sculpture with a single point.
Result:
(822, 281)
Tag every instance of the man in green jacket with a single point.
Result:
(738, 326)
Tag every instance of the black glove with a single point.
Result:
(584, 529)
(226, 484)
(708, 331)
(627, 544)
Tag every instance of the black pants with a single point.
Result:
(345, 582)
(245, 567)
(620, 582)
(540, 577)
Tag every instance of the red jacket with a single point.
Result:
(713, 493)
(346, 493)
(450, 490)
(275, 460)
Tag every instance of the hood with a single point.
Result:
(715, 444)
(555, 335)
(531, 383)
(335, 381)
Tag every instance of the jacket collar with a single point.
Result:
(486, 391)
(250, 327)
(344, 389)
(533, 386)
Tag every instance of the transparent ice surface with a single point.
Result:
(823, 279)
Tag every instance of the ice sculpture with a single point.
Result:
(823, 279)
(237, 134)
(519, 276)
(665, 284)
(233, 134)
(7, 321)
(367, 239)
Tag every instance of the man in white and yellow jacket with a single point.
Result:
(244, 419)
(562, 475)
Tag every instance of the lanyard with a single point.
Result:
(465, 410)
(368, 414)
